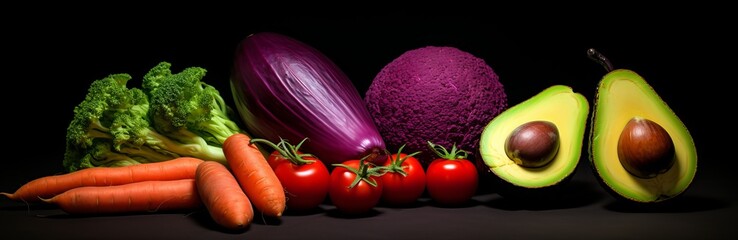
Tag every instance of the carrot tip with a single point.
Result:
(46, 200)
(9, 195)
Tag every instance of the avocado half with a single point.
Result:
(621, 96)
(557, 104)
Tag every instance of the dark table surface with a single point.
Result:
(52, 64)
(583, 211)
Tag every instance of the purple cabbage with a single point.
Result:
(286, 89)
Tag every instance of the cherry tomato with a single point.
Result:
(355, 187)
(404, 180)
(304, 177)
(451, 178)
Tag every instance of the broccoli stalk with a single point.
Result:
(112, 126)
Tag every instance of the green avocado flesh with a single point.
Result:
(557, 104)
(622, 95)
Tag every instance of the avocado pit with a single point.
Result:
(533, 144)
(645, 149)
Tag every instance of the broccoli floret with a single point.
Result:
(112, 127)
(96, 127)
(93, 117)
(183, 102)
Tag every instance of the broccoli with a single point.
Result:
(118, 126)
(182, 104)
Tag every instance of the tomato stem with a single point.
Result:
(396, 164)
(364, 173)
(443, 153)
(287, 150)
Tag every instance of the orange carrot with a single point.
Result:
(219, 191)
(146, 196)
(48, 186)
(256, 177)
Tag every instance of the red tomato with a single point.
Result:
(305, 185)
(404, 181)
(355, 187)
(304, 177)
(451, 179)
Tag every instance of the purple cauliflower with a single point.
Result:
(438, 94)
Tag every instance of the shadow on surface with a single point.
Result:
(469, 203)
(334, 212)
(202, 218)
(21, 206)
(306, 212)
(421, 202)
(572, 195)
(60, 214)
(260, 219)
(681, 204)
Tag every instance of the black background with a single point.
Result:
(685, 54)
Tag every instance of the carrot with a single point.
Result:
(227, 204)
(146, 196)
(48, 186)
(253, 173)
